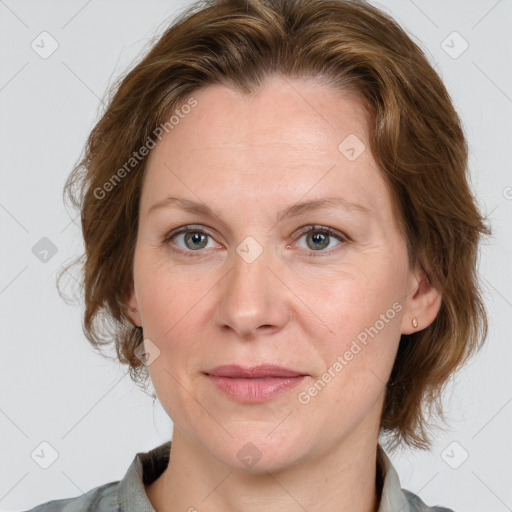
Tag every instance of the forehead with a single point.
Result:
(283, 113)
(286, 141)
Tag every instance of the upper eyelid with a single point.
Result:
(185, 229)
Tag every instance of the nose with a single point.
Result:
(253, 298)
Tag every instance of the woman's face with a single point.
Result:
(245, 285)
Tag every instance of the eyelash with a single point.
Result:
(313, 228)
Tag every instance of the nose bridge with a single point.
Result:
(252, 296)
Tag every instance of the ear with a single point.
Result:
(133, 310)
(423, 302)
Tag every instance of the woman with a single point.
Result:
(280, 233)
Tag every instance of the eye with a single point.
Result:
(318, 238)
(189, 239)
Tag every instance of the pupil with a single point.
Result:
(320, 238)
(195, 237)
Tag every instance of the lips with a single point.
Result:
(254, 372)
(256, 384)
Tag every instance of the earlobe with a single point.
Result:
(422, 306)
(133, 311)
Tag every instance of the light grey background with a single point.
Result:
(54, 388)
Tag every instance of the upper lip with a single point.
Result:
(252, 372)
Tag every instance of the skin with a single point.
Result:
(297, 305)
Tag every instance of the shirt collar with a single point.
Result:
(145, 468)
(148, 466)
(392, 497)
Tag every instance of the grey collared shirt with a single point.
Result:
(129, 495)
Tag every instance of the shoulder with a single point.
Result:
(126, 495)
(417, 505)
(393, 496)
(102, 498)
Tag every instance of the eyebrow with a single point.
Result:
(295, 210)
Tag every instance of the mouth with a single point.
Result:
(255, 384)
(253, 372)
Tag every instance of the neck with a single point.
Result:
(343, 479)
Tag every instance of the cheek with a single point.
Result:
(363, 312)
(168, 296)
(357, 364)
(170, 305)
(350, 302)
(172, 390)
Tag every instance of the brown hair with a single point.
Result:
(416, 139)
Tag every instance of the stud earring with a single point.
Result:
(414, 322)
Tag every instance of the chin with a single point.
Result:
(255, 451)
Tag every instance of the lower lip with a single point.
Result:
(255, 390)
